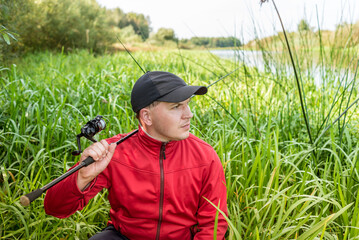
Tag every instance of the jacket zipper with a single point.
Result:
(162, 180)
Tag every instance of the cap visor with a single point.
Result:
(183, 93)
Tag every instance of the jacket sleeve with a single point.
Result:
(214, 189)
(64, 199)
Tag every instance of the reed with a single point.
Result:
(276, 190)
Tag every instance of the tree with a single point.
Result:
(303, 25)
(165, 34)
(114, 16)
(53, 24)
(216, 41)
(74, 24)
(11, 14)
(127, 34)
(225, 42)
(5, 36)
(200, 41)
(139, 22)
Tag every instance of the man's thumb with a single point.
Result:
(112, 148)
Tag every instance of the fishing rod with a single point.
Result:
(91, 128)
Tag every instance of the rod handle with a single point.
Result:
(25, 200)
(87, 161)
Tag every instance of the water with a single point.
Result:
(256, 59)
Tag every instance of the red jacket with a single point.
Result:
(156, 190)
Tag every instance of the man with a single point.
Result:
(161, 181)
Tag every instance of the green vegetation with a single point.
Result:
(54, 25)
(279, 185)
(65, 25)
(210, 42)
(303, 25)
(345, 36)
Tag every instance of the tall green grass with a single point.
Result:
(276, 188)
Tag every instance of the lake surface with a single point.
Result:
(255, 59)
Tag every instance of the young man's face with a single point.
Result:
(170, 121)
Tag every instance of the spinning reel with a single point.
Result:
(91, 128)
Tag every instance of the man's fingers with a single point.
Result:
(104, 144)
(91, 152)
(96, 151)
(112, 148)
(100, 150)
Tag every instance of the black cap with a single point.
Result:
(161, 86)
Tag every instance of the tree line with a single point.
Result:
(212, 42)
(68, 24)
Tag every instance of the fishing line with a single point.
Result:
(130, 55)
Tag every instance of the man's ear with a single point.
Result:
(145, 116)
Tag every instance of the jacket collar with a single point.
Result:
(153, 145)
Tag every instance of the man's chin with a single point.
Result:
(186, 135)
(181, 137)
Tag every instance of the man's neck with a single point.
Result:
(144, 129)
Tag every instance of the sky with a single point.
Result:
(244, 19)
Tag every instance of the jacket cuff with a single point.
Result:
(75, 189)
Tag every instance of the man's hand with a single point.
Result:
(102, 153)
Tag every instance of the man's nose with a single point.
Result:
(187, 112)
